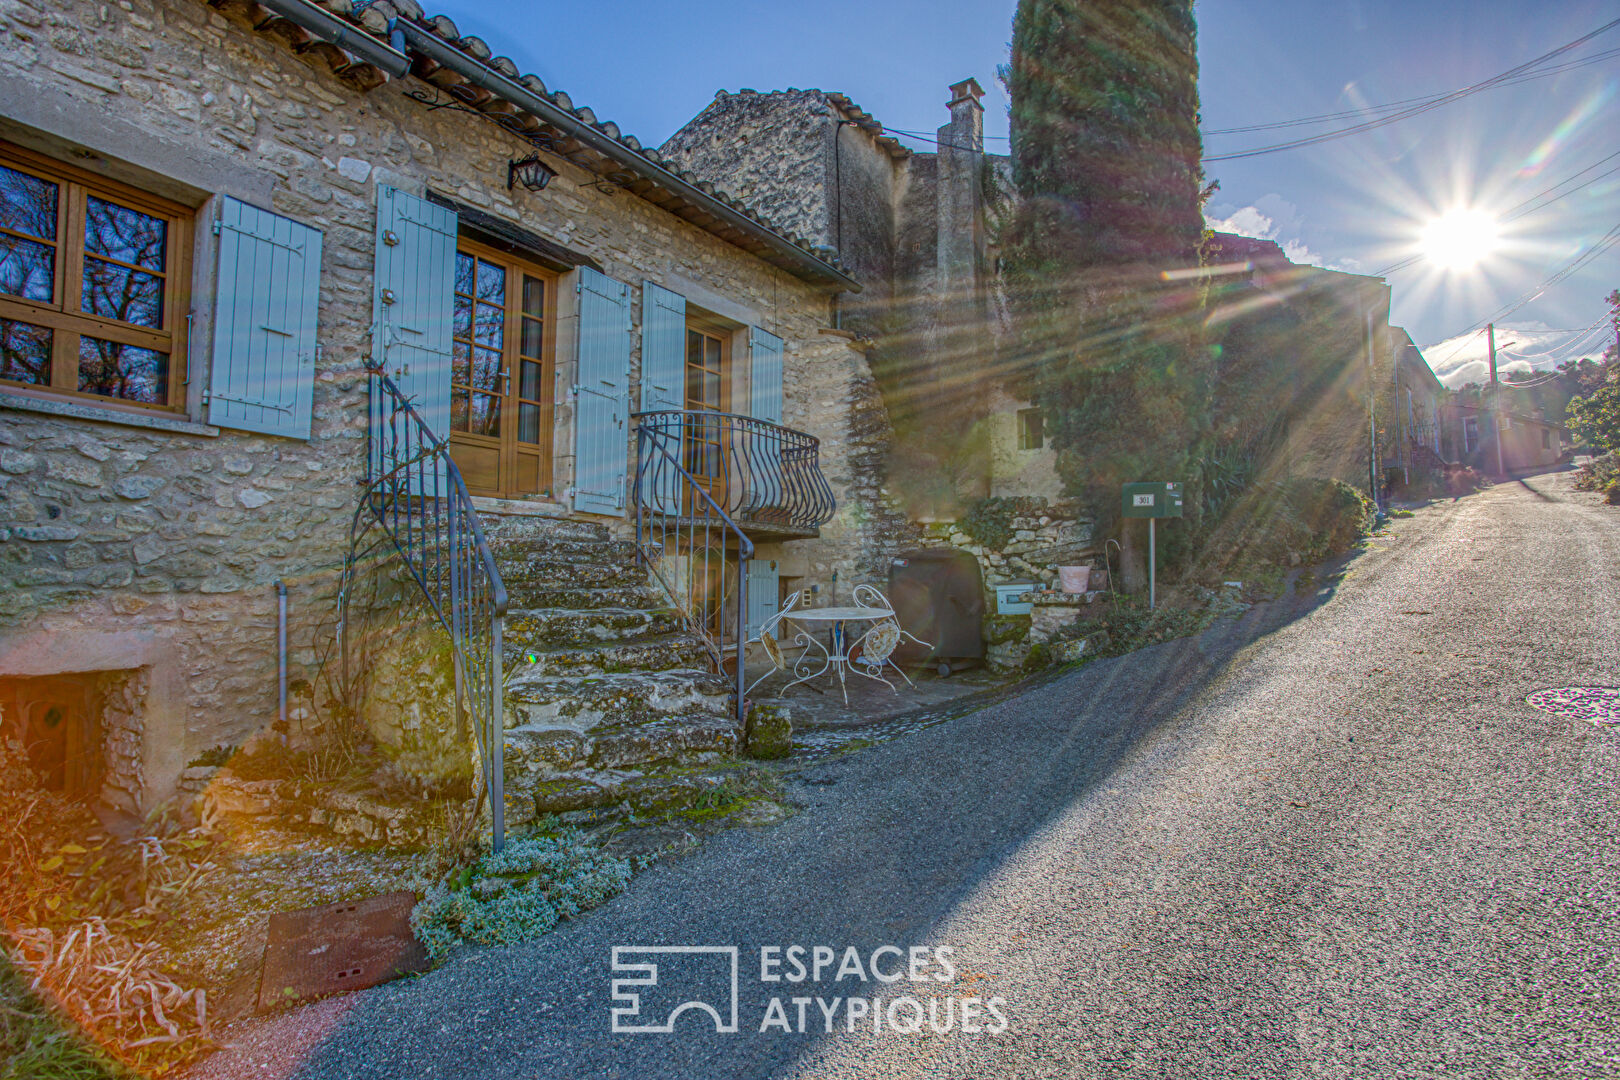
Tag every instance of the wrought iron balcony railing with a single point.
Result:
(765, 477)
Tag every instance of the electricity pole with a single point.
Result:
(1496, 399)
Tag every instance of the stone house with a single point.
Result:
(236, 239)
(920, 230)
(1413, 435)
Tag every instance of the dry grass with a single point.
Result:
(79, 909)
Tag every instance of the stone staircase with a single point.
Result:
(609, 700)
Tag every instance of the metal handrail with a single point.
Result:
(768, 476)
(687, 555)
(415, 493)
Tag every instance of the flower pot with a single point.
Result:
(1074, 579)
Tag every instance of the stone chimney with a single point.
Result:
(961, 196)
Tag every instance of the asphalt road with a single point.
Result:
(1331, 840)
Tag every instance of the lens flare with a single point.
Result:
(1460, 239)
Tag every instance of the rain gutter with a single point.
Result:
(388, 57)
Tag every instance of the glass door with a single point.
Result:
(501, 401)
(704, 452)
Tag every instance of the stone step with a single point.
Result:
(544, 752)
(535, 786)
(585, 702)
(540, 571)
(535, 598)
(660, 653)
(502, 528)
(564, 549)
(551, 627)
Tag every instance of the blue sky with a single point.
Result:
(1356, 203)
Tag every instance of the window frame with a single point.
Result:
(64, 316)
(1022, 429)
(517, 268)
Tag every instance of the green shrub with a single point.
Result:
(1599, 473)
(518, 893)
(990, 521)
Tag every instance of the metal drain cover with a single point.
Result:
(1598, 705)
(317, 951)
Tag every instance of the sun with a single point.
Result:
(1460, 239)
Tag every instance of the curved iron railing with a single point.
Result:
(415, 493)
(699, 559)
(760, 474)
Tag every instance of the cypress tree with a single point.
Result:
(1106, 159)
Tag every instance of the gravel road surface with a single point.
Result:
(1331, 840)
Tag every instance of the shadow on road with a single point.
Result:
(890, 841)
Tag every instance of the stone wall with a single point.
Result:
(1041, 535)
(122, 546)
(123, 699)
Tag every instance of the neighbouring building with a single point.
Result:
(1528, 442)
(222, 224)
(1414, 411)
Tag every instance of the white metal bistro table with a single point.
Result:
(836, 657)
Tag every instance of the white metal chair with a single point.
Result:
(879, 643)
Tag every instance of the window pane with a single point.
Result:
(528, 423)
(463, 317)
(124, 234)
(464, 273)
(123, 371)
(694, 387)
(533, 336)
(529, 384)
(27, 269)
(694, 347)
(116, 292)
(711, 390)
(486, 415)
(489, 329)
(25, 353)
(534, 297)
(461, 363)
(27, 204)
(458, 409)
(491, 283)
(486, 371)
(714, 352)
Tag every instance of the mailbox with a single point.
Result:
(1152, 500)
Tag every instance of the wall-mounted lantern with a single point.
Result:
(531, 172)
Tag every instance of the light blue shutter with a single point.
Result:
(663, 348)
(764, 375)
(663, 382)
(413, 300)
(762, 589)
(601, 394)
(265, 306)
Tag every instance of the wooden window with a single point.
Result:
(93, 285)
(501, 378)
(1031, 429)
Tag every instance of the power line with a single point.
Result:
(1415, 110)
(1350, 114)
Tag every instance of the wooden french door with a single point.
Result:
(501, 383)
(708, 371)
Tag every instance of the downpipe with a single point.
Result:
(281, 658)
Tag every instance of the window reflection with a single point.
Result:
(121, 371)
(25, 353)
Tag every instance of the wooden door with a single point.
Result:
(708, 377)
(501, 402)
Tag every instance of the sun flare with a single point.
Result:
(1460, 239)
